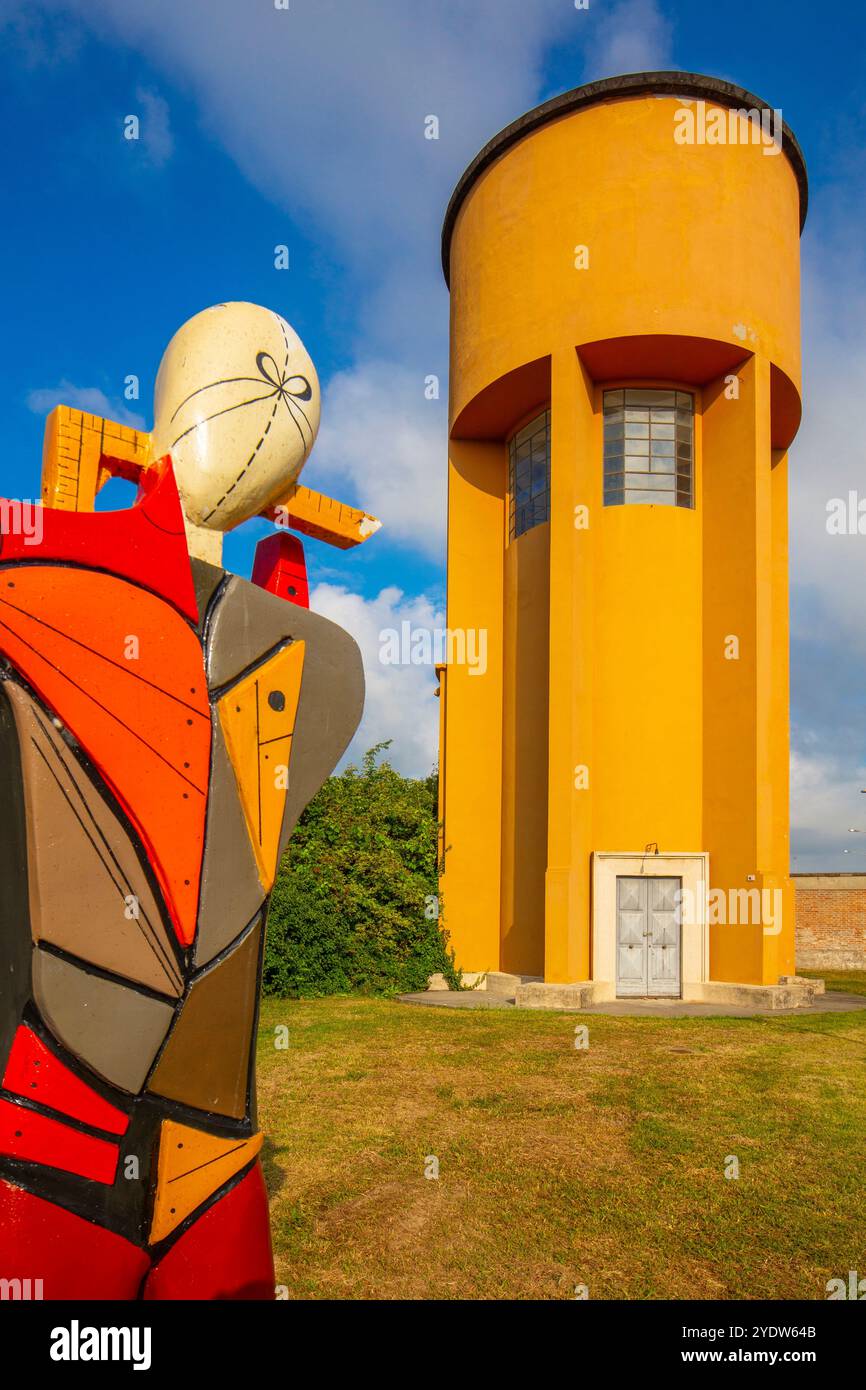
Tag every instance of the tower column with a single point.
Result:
(745, 679)
(471, 714)
(575, 495)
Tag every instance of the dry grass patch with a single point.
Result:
(560, 1167)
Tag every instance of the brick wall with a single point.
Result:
(831, 921)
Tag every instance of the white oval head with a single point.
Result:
(237, 406)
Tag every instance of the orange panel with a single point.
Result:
(258, 720)
(192, 1165)
(126, 675)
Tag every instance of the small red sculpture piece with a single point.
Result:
(280, 567)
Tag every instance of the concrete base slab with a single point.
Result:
(789, 993)
(457, 999)
(475, 979)
(810, 987)
(831, 1002)
(501, 982)
(539, 995)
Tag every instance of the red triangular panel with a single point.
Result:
(145, 543)
(35, 1072)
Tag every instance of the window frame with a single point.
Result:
(532, 418)
(645, 385)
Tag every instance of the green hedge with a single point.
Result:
(354, 907)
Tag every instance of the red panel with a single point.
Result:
(494, 412)
(69, 1257)
(661, 357)
(143, 719)
(226, 1254)
(145, 543)
(35, 1072)
(280, 568)
(26, 1135)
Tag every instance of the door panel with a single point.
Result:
(631, 926)
(663, 966)
(647, 937)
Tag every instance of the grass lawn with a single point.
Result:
(560, 1167)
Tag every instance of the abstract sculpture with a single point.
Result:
(162, 725)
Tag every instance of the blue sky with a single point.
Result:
(304, 127)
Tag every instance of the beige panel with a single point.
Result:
(205, 1063)
(88, 891)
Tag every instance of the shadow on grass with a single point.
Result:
(274, 1175)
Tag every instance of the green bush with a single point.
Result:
(354, 904)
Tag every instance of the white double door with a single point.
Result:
(648, 937)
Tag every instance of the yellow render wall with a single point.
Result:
(472, 714)
(647, 651)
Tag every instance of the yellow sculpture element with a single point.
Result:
(81, 452)
(258, 719)
(192, 1165)
(323, 518)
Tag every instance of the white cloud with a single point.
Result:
(88, 398)
(828, 459)
(322, 107)
(382, 436)
(155, 132)
(825, 804)
(828, 572)
(633, 36)
(400, 702)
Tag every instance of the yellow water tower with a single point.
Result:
(623, 264)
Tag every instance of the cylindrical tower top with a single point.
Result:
(686, 85)
(651, 222)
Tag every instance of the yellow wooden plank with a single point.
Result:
(324, 518)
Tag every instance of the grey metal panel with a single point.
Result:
(244, 625)
(115, 1031)
(206, 578)
(231, 891)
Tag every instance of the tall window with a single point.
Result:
(649, 447)
(529, 476)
